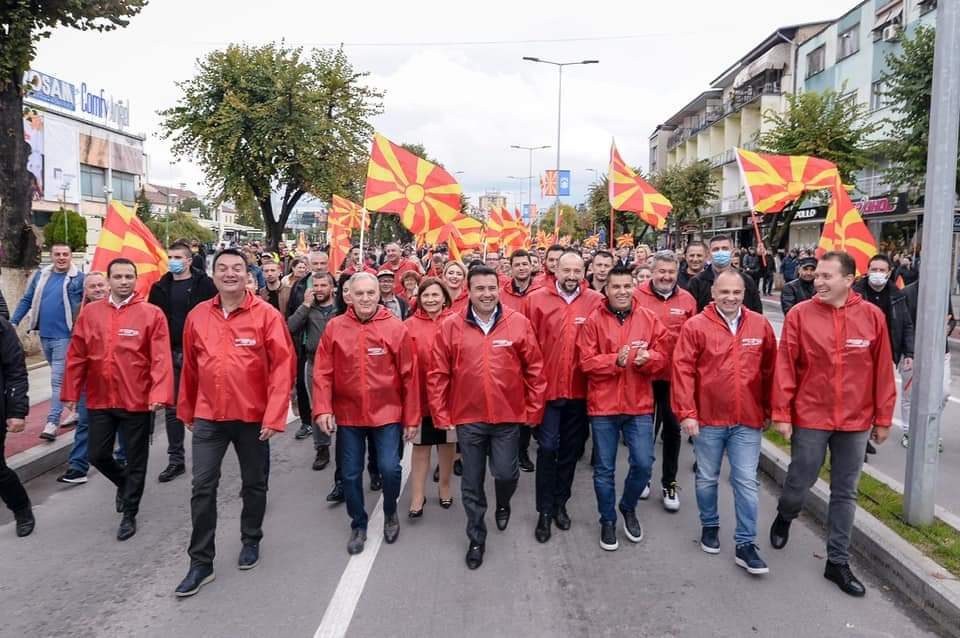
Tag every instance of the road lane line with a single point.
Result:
(343, 603)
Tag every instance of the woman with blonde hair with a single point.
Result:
(455, 279)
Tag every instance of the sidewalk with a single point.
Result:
(27, 453)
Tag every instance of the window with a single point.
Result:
(816, 60)
(877, 98)
(124, 187)
(926, 6)
(92, 179)
(848, 42)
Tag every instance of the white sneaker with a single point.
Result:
(49, 432)
(671, 502)
(645, 494)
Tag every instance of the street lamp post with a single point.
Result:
(559, 65)
(530, 150)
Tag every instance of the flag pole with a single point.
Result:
(610, 240)
(363, 225)
(756, 229)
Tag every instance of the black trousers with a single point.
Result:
(665, 422)
(560, 439)
(210, 442)
(524, 442)
(479, 441)
(303, 397)
(135, 429)
(11, 489)
(175, 429)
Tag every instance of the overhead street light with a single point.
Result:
(530, 150)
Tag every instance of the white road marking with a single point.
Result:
(343, 604)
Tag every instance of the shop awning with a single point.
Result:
(777, 57)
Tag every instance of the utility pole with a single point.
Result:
(940, 197)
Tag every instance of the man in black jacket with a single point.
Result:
(319, 265)
(701, 286)
(694, 257)
(13, 411)
(801, 288)
(176, 294)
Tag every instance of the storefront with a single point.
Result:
(890, 220)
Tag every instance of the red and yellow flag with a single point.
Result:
(773, 181)
(424, 195)
(844, 229)
(124, 235)
(495, 228)
(544, 240)
(343, 218)
(592, 241)
(515, 234)
(625, 239)
(630, 192)
(460, 234)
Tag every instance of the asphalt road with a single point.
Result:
(72, 578)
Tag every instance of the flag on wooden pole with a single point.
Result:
(125, 235)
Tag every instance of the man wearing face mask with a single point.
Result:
(801, 288)
(721, 257)
(176, 294)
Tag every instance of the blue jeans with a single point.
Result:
(638, 434)
(386, 439)
(742, 444)
(55, 352)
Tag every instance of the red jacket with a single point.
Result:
(613, 390)
(398, 270)
(672, 312)
(834, 367)
(365, 372)
(423, 331)
(237, 368)
(462, 301)
(557, 325)
(121, 356)
(514, 300)
(720, 378)
(478, 378)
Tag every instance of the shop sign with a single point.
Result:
(885, 205)
(95, 103)
(817, 212)
(51, 90)
(719, 222)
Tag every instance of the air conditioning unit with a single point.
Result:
(891, 32)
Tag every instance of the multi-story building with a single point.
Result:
(166, 200)
(492, 199)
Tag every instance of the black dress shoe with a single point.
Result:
(848, 583)
(870, 448)
(196, 578)
(779, 532)
(376, 482)
(457, 468)
(304, 431)
(323, 458)
(542, 533)
(336, 494)
(173, 471)
(249, 557)
(128, 527)
(357, 538)
(526, 465)
(391, 528)
(475, 555)
(502, 516)
(25, 521)
(562, 519)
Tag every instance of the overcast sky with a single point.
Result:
(453, 77)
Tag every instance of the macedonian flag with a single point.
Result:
(460, 234)
(773, 181)
(345, 213)
(515, 234)
(495, 228)
(424, 195)
(124, 235)
(844, 229)
(630, 192)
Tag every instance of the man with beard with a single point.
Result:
(801, 288)
(693, 258)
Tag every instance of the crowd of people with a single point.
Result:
(569, 346)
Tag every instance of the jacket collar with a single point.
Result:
(381, 314)
(248, 301)
(472, 319)
(71, 272)
(422, 314)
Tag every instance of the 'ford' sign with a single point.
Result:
(49, 89)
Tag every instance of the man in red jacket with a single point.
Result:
(721, 379)
(834, 388)
(238, 370)
(557, 313)
(486, 379)
(120, 352)
(621, 350)
(673, 306)
(365, 376)
(516, 290)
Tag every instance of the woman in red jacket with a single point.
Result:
(433, 306)
(455, 279)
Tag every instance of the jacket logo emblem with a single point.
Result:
(678, 311)
(376, 352)
(501, 343)
(579, 321)
(240, 342)
(638, 344)
(858, 343)
(128, 332)
(750, 341)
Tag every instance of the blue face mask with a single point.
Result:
(722, 258)
(176, 266)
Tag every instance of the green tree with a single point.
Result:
(180, 225)
(908, 87)
(689, 187)
(66, 226)
(23, 23)
(828, 125)
(271, 118)
(144, 208)
(578, 223)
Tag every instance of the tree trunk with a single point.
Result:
(18, 242)
(777, 237)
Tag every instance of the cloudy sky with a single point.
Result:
(452, 71)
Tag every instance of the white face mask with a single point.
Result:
(877, 279)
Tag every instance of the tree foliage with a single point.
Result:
(828, 125)
(144, 208)
(23, 23)
(908, 88)
(690, 188)
(73, 231)
(272, 119)
(576, 222)
(180, 225)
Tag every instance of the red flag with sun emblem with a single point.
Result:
(773, 181)
(628, 191)
(425, 196)
(124, 235)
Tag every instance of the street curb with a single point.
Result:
(944, 515)
(39, 459)
(904, 567)
(36, 366)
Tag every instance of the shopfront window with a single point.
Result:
(124, 187)
(898, 236)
